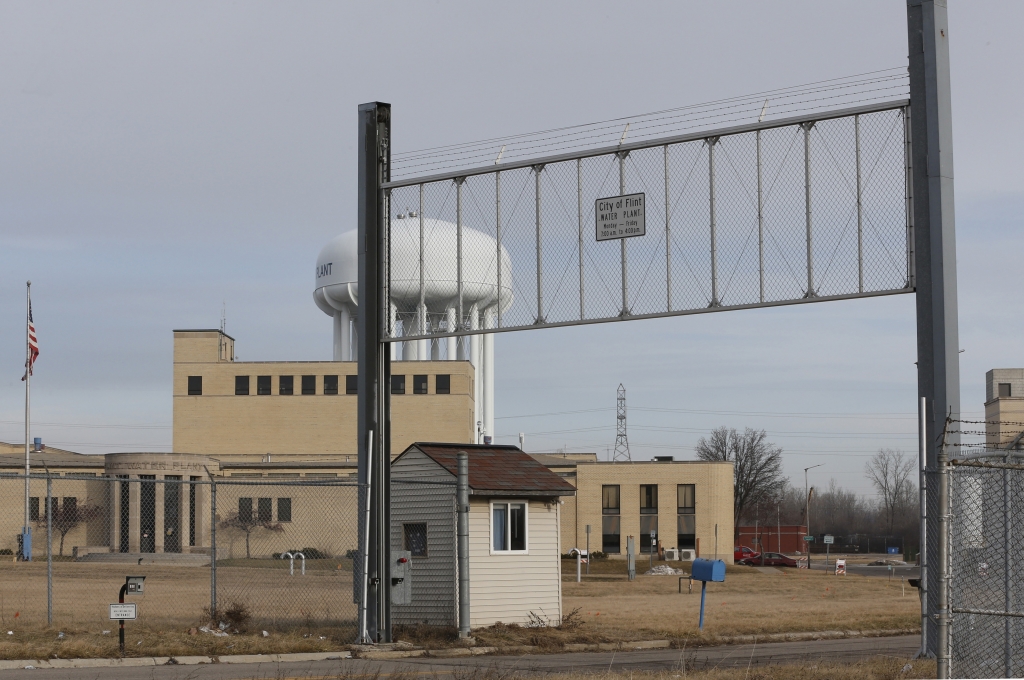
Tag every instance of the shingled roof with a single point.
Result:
(497, 470)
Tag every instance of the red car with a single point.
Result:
(770, 560)
(743, 553)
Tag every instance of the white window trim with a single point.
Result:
(490, 526)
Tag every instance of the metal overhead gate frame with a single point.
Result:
(836, 205)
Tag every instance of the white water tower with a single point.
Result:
(435, 307)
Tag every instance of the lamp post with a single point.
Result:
(807, 511)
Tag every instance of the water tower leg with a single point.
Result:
(488, 371)
(453, 342)
(342, 334)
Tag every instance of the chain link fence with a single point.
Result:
(792, 212)
(263, 554)
(986, 567)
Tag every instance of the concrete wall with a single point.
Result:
(224, 424)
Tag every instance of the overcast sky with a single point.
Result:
(160, 160)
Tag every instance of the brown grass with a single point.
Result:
(749, 602)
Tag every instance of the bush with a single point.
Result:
(598, 555)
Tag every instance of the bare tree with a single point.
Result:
(67, 516)
(757, 465)
(890, 472)
(248, 523)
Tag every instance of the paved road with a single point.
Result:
(487, 667)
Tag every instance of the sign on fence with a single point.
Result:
(620, 217)
(123, 612)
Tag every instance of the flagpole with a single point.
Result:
(26, 531)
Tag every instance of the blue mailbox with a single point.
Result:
(704, 571)
(708, 570)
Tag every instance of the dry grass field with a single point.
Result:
(315, 612)
(750, 602)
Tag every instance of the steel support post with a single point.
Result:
(760, 221)
(537, 169)
(622, 241)
(49, 549)
(860, 207)
(579, 220)
(807, 211)
(711, 141)
(934, 239)
(374, 404)
(463, 542)
(497, 238)
(668, 258)
(922, 556)
(213, 546)
(942, 654)
(459, 181)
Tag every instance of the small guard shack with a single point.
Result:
(514, 519)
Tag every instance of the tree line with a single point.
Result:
(762, 495)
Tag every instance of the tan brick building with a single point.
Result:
(1004, 408)
(682, 501)
(246, 410)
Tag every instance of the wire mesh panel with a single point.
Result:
(796, 210)
(284, 551)
(986, 571)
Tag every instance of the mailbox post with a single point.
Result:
(121, 611)
(707, 570)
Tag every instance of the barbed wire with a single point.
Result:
(858, 88)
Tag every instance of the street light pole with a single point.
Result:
(807, 512)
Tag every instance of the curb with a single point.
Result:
(382, 655)
(146, 661)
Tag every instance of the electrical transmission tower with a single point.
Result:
(621, 443)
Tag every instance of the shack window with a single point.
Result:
(415, 539)
(508, 527)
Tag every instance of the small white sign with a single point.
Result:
(829, 539)
(620, 217)
(123, 612)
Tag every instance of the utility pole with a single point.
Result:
(807, 512)
(621, 443)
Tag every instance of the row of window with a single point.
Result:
(307, 384)
(508, 530)
(263, 510)
(611, 525)
(70, 508)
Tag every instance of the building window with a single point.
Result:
(443, 384)
(286, 384)
(414, 539)
(686, 522)
(610, 531)
(263, 384)
(508, 527)
(33, 508)
(610, 499)
(244, 510)
(265, 510)
(648, 526)
(195, 385)
(351, 384)
(70, 508)
(648, 499)
(419, 384)
(330, 384)
(398, 384)
(309, 384)
(1005, 390)
(241, 384)
(284, 509)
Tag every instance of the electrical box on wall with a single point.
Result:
(401, 577)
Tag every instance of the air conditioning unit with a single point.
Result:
(687, 555)
(671, 554)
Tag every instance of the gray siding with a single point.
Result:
(415, 500)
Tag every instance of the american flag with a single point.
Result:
(33, 344)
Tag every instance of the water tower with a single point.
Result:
(433, 308)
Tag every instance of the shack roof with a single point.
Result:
(496, 470)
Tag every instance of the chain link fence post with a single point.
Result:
(943, 591)
(213, 548)
(49, 549)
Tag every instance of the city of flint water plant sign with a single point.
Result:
(620, 217)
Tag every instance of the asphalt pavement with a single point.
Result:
(493, 667)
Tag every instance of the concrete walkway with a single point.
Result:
(841, 650)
